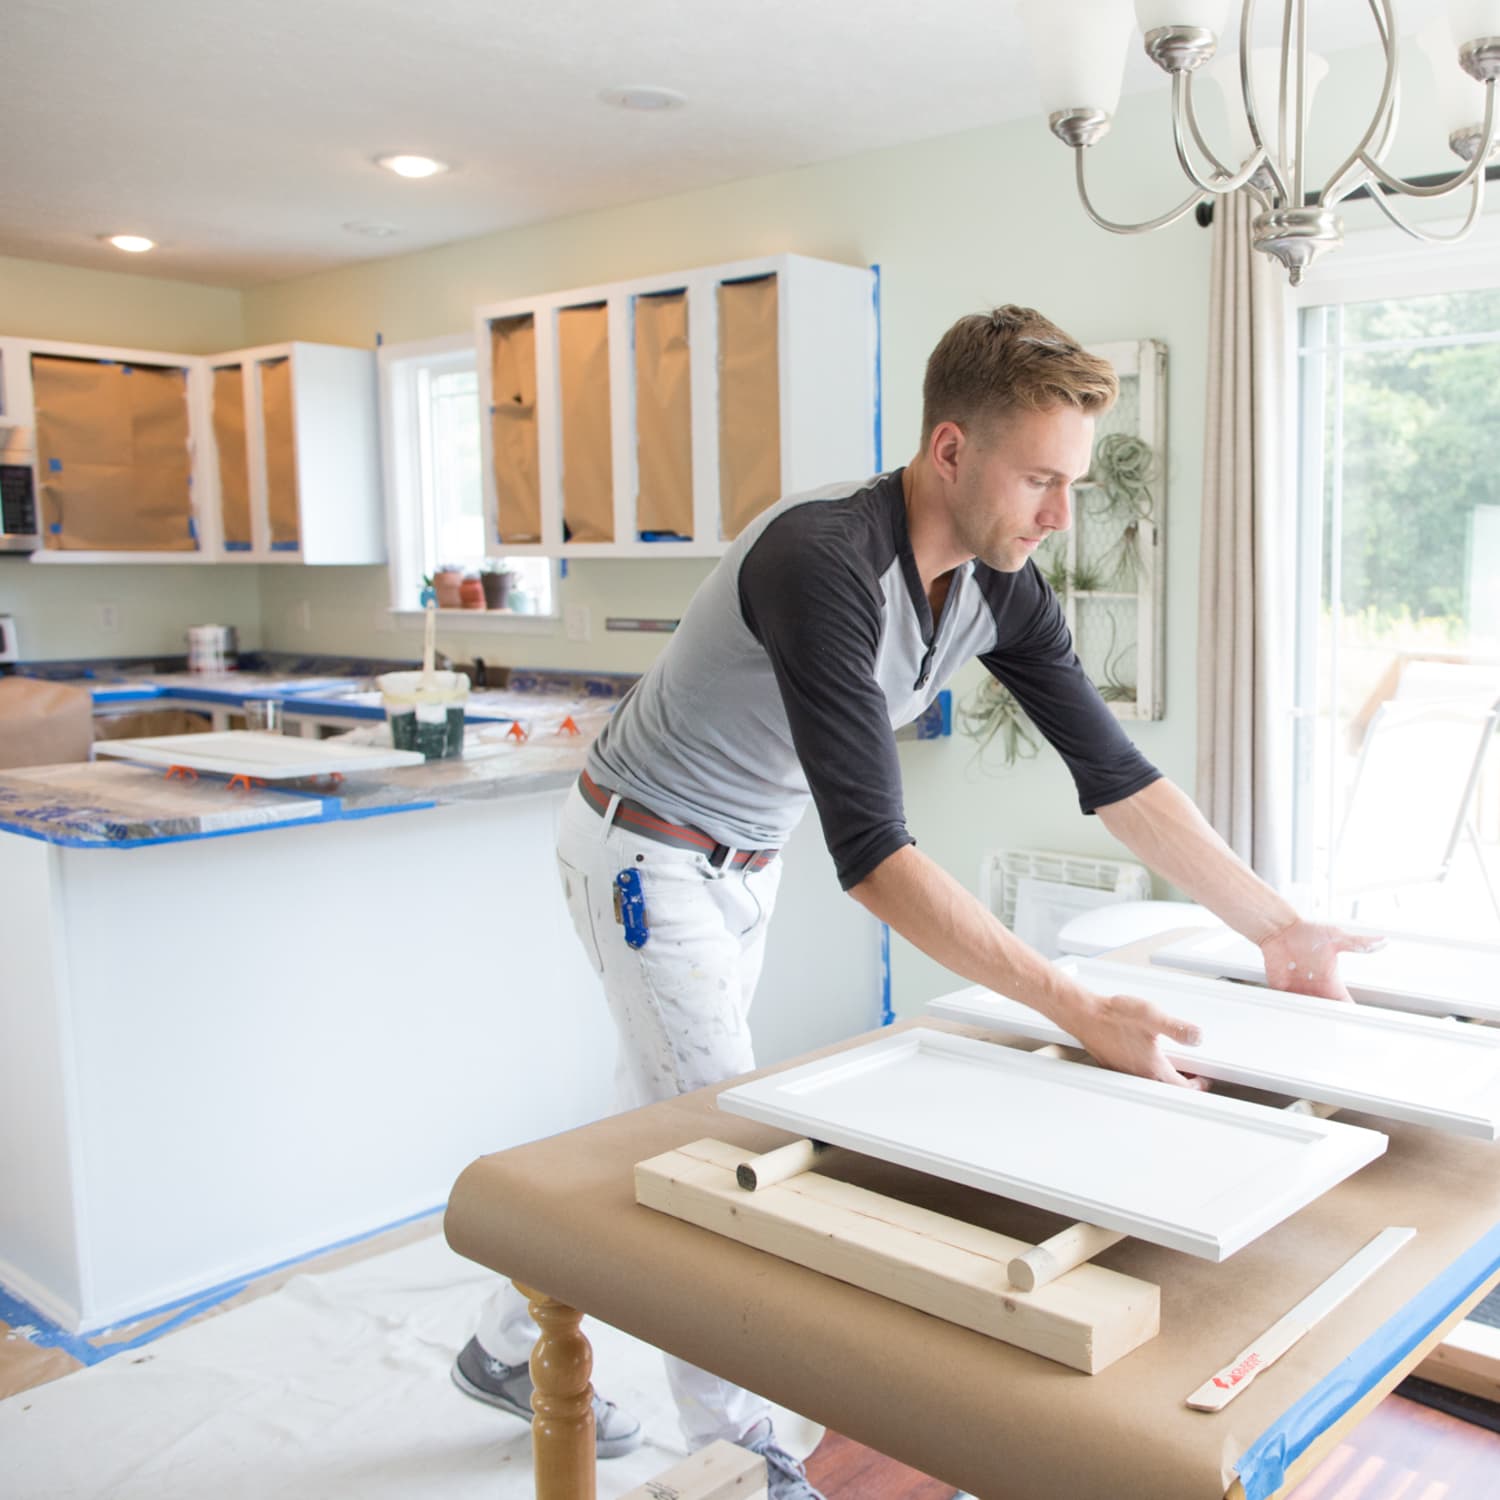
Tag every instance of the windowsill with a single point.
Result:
(483, 621)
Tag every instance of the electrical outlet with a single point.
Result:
(576, 622)
(109, 618)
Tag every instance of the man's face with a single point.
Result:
(1012, 480)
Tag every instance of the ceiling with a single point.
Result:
(241, 137)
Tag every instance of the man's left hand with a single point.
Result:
(1304, 958)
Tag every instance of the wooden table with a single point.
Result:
(559, 1215)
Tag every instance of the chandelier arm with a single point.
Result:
(1182, 109)
(1384, 121)
(1438, 189)
(1476, 202)
(1293, 137)
(1160, 222)
(1247, 94)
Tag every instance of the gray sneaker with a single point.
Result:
(786, 1479)
(476, 1374)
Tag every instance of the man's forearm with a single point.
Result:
(1161, 826)
(931, 910)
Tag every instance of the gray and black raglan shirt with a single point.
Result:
(809, 644)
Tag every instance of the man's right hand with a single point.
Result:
(1122, 1032)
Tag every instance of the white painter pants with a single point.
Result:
(680, 1005)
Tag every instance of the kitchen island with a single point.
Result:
(243, 1025)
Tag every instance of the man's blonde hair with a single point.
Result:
(1010, 359)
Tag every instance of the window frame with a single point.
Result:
(399, 367)
(1374, 265)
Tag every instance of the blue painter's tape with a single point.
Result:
(126, 370)
(379, 338)
(887, 1013)
(54, 466)
(286, 546)
(55, 528)
(663, 536)
(879, 417)
(1262, 1468)
(236, 546)
(192, 528)
(45, 1334)
(562, 568)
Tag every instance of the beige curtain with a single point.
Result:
(1247, 559)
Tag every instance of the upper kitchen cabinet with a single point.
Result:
(295, 454)
(109, 434)
(658, 417)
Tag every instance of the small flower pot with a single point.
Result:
(496, 588)
(446, 583)
(471, 593)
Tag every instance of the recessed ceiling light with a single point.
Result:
(134, 243)
(412, 166)
(374, 231)
(643, 97)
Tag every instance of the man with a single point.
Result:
(835, 617)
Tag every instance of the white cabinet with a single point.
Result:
(111, 433)
(260, 455)
(656, 417)
(295, 454)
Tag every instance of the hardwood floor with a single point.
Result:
(1402, 1452)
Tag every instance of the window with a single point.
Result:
(1396, 765)
(430, 408)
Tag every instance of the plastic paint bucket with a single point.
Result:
(425, 713)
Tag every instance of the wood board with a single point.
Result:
(952, 1270)
(1079, 1141)
(1421, 1069)
(1414, 972)
(248, 752)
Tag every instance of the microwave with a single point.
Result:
(18, 531)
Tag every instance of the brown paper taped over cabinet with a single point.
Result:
(749, 402)
(663, 415)
(44, 723)
(518, 490)
(587, 449)
(283, 509)
(112, 453)
(234, 455)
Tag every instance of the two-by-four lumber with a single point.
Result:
(721, 1471)
(954, 1271)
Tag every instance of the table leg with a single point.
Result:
(562, 1429)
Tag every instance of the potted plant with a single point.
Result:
(471, 592)
(446, 582)
(497, 581)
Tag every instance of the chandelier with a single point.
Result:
(1079, 48)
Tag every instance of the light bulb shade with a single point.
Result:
(1458, 98)
(1078, 49)
(1473, 19)
(1207, 15)
(1265, 85)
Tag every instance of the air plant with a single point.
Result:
(1113, 686)
(991, 714)
(1089, 578)
(1124, 467)
(1124, 563)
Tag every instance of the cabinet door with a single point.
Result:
(113, 455)
(749, 401)
(283, 508)
(587, 459)
(518, 490)
(663, 416)
(234, 457)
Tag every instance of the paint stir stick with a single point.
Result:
(1219, 1390)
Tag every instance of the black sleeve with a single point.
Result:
(819, 622)
(1036, 661)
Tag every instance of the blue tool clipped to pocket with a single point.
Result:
(630, 908)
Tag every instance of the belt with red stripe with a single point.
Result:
(641, 820)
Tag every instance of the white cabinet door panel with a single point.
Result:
(1443, 1074)
(1431, 976)
(1195, 1172)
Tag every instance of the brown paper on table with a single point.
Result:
(113, 455)
(663, 415)
(518, 490)
(283, 509)
(560, 1215)
(44, 723)
(749, 402)
(149, 723)
(234, 453)
(587, 450)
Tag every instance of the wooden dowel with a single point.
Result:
(1053, 1258)
(776, 1166)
